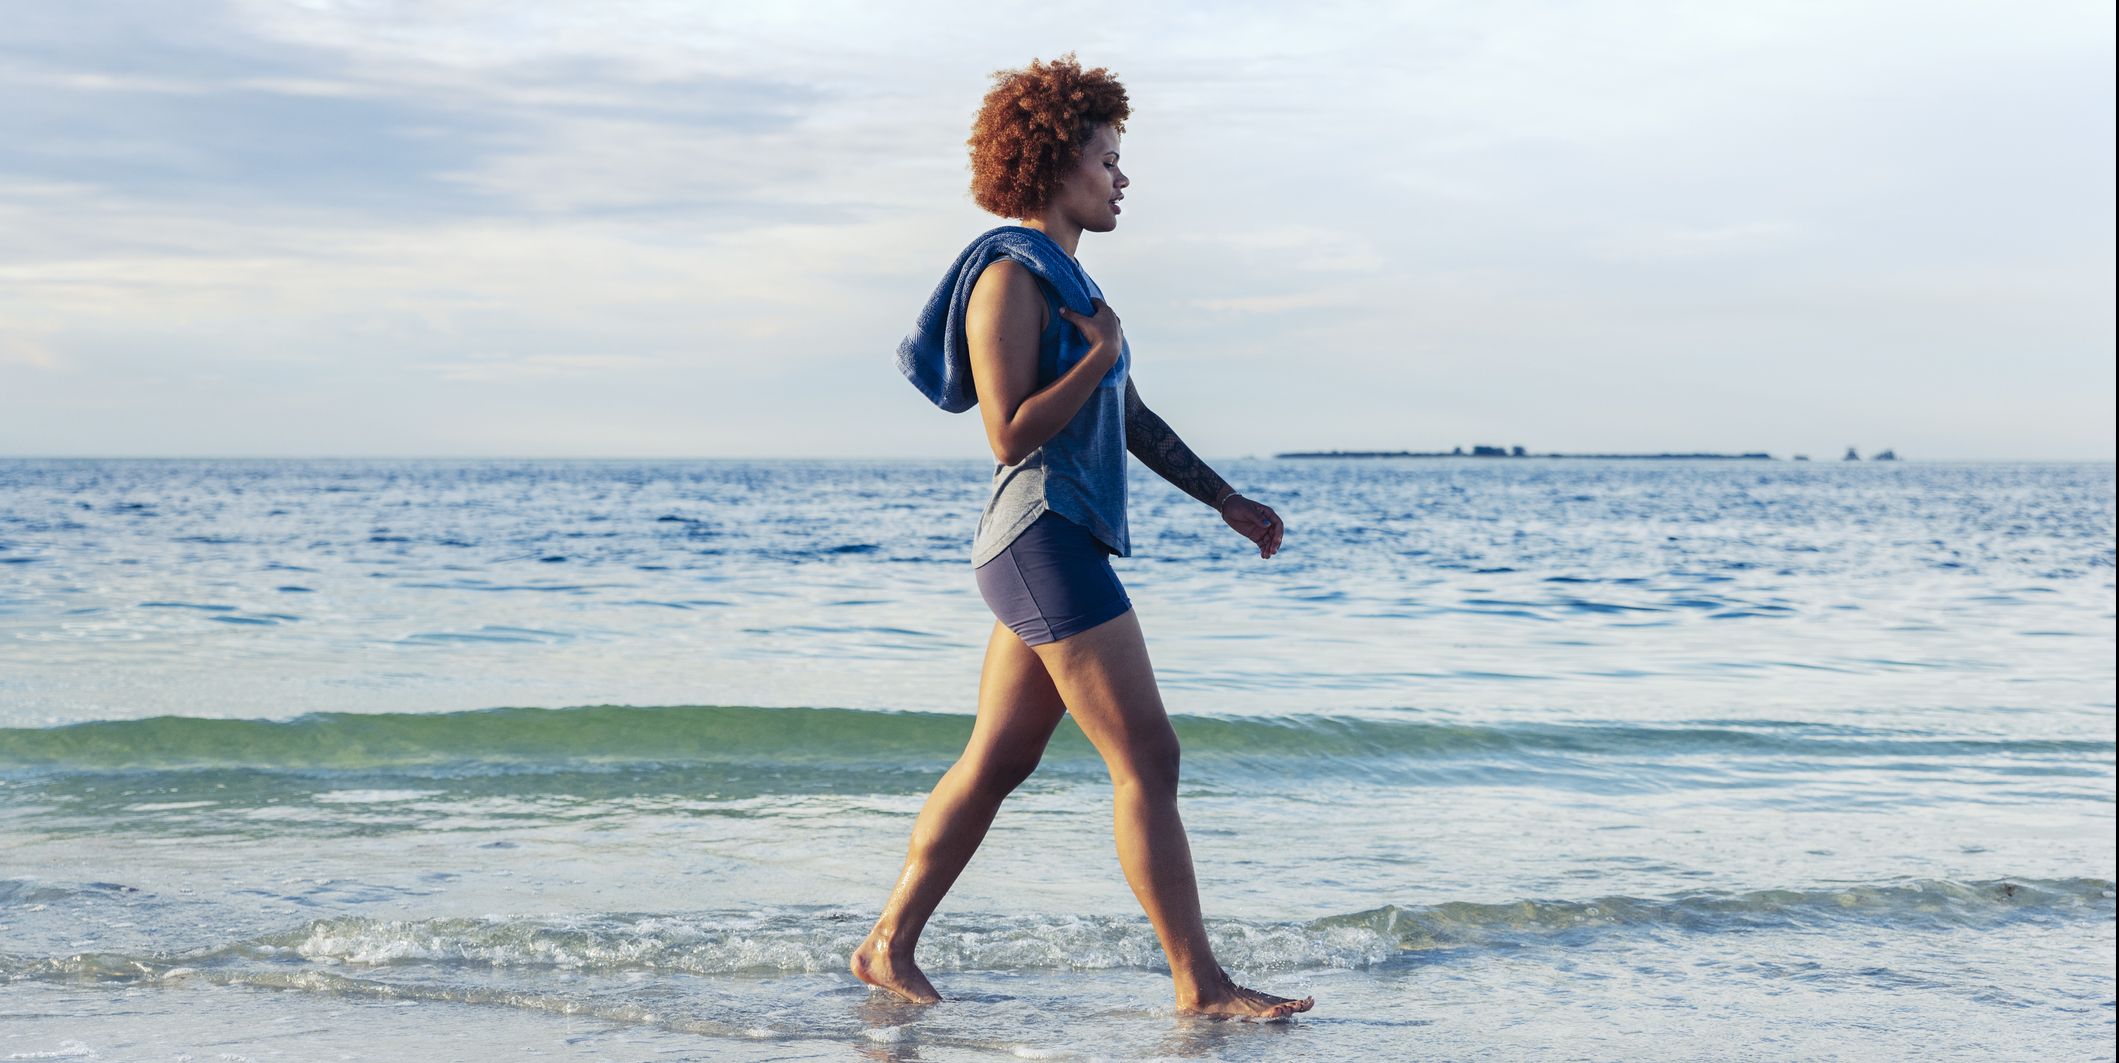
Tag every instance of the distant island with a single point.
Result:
(1881, 455)
(1509, 452)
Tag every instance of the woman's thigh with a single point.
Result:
(1108, 683)
(1018, 705)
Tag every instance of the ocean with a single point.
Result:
(617, 760)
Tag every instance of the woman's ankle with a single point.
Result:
(1201, 984)
(892, 942)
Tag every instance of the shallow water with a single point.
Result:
(617, 760)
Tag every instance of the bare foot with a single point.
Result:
(1231, 1000)
(874, 964)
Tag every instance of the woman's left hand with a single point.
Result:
(1256, 521)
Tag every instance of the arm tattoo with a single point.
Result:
(1157, 447)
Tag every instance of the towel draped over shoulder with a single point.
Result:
(935, 355)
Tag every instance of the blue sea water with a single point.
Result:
(617, 760)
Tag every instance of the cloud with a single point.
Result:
(22, 349)
(634, 213)
(1275, 304)
(1710, 241)
(489, 367)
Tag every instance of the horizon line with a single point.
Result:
(1305, 455)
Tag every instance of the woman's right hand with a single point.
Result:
(1105, 337)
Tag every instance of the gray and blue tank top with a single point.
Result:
(1080, 473)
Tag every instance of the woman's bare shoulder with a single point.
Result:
(1007, 286)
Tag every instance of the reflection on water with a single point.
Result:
(1525, 759)
(269, 588)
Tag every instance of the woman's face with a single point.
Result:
(1088, 196)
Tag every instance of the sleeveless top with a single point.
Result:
(1080, 473)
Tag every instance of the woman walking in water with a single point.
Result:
(1053, 386)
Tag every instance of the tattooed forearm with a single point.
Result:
(1157, 447)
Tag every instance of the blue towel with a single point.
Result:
(935, 356)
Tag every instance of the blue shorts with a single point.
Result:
(1053, 581)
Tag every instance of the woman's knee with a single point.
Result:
(1148, 761)
(998, 776)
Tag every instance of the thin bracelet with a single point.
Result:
(1225, 499)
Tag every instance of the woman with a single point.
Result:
(1045, 150)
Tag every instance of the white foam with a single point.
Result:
(68, 1049)
(367, 797)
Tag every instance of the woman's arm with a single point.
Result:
(1002, 322)
(1150, 439)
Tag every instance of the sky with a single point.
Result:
(695, 229)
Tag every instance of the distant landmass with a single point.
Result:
(1509, 452)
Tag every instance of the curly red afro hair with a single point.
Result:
(1031, 128)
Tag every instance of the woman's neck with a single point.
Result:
(1064, 233)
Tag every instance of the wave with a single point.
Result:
(618, 735)
(818, 939)
(341, 773)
